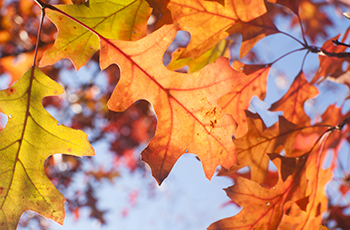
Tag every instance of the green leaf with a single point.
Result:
(114, 19)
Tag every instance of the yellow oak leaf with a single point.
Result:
(28, 139)
(125, 20)
(189, 117)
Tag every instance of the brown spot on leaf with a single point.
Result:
(10, 91)
(212, 112)
(213, 123)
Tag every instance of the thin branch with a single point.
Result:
(292, 37)
(284, 55)
(336, 42)
(38, 36)
(302, 30)
(44, 5)
(341, 124)
(302, 64)
(323, 52)
(337, 55)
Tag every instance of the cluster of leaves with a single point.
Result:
(202, 111)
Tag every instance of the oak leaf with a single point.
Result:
(253, 148)
(292, 103)
(189, 117)
(296, 202)
(262, 208)
(193, 16)
(237, 101)
(126, 20)
(310, 216)
(29, 138)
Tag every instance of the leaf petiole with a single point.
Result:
(39, 32)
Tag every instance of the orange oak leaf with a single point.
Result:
(253, 148)
(301, 194)
(253, 31)
(262, 208)
(272, 207)
(126, 20)
(295, 167)
(189, 117)
(309, 215)
(237, 101)
(331, 66)
(288, 165)
(292, 103)
(216, 18)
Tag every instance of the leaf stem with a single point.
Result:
(323, 52)
(341, 124)
(302, 30)
(303, 62)
(294, 38)
(286, 54)
(332, 54)
(38, 36)
(336, 42)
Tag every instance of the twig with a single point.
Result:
(336, 42)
